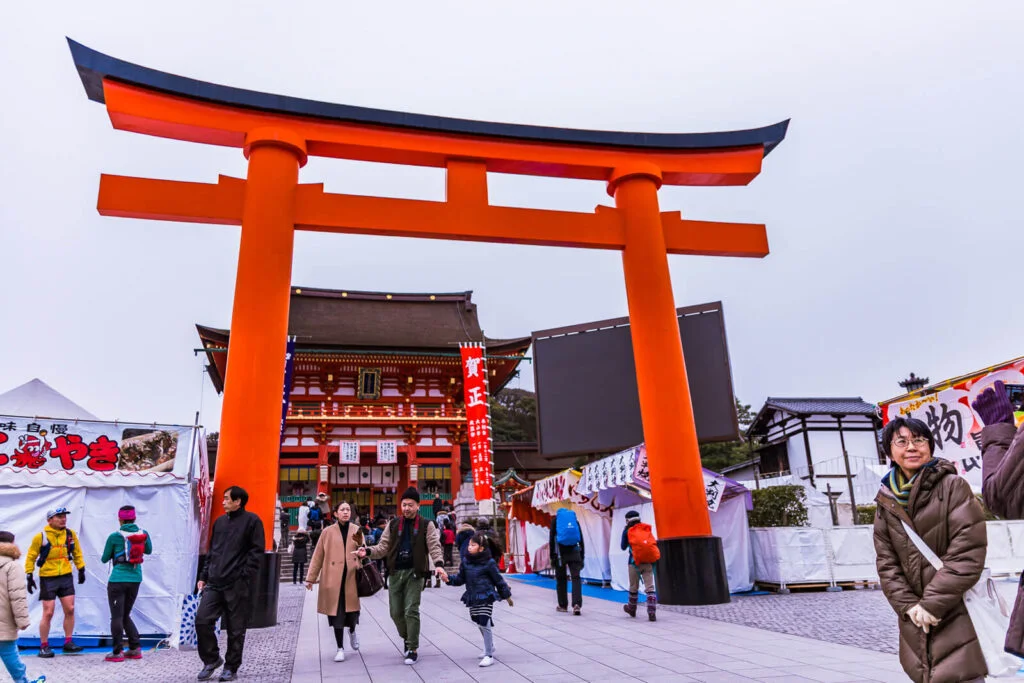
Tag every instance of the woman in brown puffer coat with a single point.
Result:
(937, 639)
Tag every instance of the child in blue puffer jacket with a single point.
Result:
(484, 585)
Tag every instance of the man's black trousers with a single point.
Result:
(232, 606)
(561, 589)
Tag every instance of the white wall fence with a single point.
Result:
(833, 555)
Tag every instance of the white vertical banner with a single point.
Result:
(387, 452)
(714, 488)
(350, 452)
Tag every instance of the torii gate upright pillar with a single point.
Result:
(277, 132)
(693, 566)
(259, 320)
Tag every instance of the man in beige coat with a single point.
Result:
(13, 607)
(412, 546)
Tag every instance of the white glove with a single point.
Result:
(921, 618)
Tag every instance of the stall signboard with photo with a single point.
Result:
(946, 409)
(34, 444)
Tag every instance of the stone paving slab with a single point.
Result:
(268, 658)
(535, 643)
(861, 618)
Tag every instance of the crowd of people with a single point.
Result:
(929, 536)
(412, 553)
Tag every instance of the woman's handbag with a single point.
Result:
(368, 580)
(989, 614)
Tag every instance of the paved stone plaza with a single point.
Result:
(861, 618)
(534, 643)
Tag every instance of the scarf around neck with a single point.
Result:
(898, 483)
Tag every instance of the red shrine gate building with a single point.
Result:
(371, 367)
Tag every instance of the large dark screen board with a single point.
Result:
(587, 399)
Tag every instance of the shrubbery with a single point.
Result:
(779, 506)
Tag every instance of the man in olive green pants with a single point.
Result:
(405, 588)
(412, 546)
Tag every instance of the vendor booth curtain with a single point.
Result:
(168, 513)
(729, 523)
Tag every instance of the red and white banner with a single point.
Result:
(946, 409)
(478, 417)
(32, 444)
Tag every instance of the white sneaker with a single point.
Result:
(487, 661)
(340, 657)
(353, 640)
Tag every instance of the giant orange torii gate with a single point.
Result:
(277, 133)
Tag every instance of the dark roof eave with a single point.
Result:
(95, 66)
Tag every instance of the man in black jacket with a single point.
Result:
(236, 546)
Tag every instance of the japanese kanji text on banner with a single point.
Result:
(478, 417)
(946, 409)
(84, 446)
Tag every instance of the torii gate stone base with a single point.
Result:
(277, 133)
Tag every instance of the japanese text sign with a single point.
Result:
(949, 416)
(478, 417)
(714, 488)
(387, 452)
(349, 453)
(55, 445)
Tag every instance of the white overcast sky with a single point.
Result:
(892, 207)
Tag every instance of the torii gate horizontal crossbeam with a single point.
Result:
(317, 210)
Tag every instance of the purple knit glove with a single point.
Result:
(993, 405)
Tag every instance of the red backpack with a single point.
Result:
(643, 544)
(448, 537)
(134, 547)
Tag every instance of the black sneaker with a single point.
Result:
(577, 610)
(228, 675)
(45, 652)
(410, 657)
(208, 670)
(71, 648)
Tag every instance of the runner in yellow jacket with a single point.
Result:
(57, 557)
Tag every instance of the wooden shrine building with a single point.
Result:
(369, 367)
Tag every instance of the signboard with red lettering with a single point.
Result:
(946, 409)
(478, 418)
(30, 444)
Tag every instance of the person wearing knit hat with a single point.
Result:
(412, 546)
(637, 538)
(125, 549)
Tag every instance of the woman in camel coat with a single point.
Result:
(334, 566)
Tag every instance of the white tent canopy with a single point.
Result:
(37, 398)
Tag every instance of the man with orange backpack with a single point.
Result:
(643, 553)
(125, 548)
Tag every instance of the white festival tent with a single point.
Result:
(93, 468)
(605, 490)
